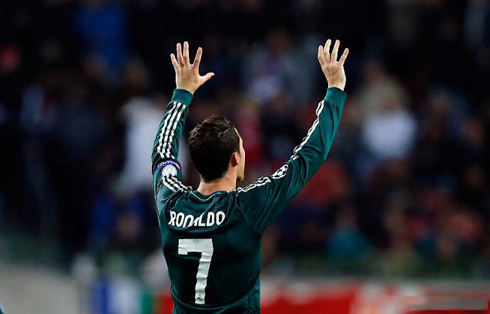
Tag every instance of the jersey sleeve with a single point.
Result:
(167, 172)
(264, 199)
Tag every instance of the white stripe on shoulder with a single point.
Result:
(259, 182)
(168, 182)
(179, 184)
(168, 185)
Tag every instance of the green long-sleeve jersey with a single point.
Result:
(212, 243)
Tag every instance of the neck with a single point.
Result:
(226, 183)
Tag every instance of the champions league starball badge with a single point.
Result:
(170, 168)
(169, 171)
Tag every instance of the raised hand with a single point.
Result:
(333, 69)
(187, 74)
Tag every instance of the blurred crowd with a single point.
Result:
(406, 189)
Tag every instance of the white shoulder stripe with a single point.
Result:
(169, 182)
(168, 185)
(179, 183)
(259, 182)
(174, 184)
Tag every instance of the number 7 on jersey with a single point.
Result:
(205, 247)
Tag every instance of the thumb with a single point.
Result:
(208, 76)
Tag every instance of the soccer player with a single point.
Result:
(211, 236)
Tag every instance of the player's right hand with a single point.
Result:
(333, 69)
(187, 74)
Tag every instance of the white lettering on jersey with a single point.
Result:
(188, 221)
(220, 216)
(210, 220)
(180, 219)
(185, 221)
(172, 218)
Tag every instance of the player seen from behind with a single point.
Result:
(211, 236)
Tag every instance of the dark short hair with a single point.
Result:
(211, 144)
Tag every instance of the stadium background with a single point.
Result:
(402, 203)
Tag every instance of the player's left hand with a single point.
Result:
(187, 74)
(333, 69)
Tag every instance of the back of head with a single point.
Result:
(211, 145)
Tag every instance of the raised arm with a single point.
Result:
(167, 173)
(265, 198)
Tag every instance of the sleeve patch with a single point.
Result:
(170, 168)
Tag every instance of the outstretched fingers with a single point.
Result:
(180, 59)
(324, 53)
(187, 75)
(208, 76)
(174, 63)
(328, 43)
(186, 53)
(344, 56)
(332, 68)
(321, 55)
(197, 59)
(335, 50)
